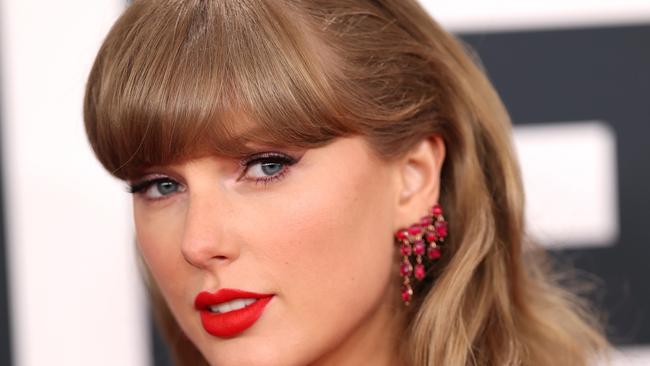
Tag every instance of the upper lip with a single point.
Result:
(205, 300)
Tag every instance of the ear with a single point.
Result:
(419, 177)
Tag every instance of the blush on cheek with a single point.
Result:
(336, 235)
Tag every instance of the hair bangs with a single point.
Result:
(184, 79)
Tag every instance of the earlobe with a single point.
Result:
(420, 173)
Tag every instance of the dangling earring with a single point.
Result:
(419, 239)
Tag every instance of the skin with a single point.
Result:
(320, 239)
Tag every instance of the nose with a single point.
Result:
(205, 240)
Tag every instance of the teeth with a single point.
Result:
(231, 305)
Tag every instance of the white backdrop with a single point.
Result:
(75, 296)
(494, 15)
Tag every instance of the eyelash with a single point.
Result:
(268, 157)
(144, 185)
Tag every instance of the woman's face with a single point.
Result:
(308, 234)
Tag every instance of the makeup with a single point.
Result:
(229, 312)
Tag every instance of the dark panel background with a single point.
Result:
(5, 318)
(161, 355)
(584, 74)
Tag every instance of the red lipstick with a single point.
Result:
(229, 323)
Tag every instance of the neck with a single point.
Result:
(375, 342)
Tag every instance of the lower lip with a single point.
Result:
(232, 323)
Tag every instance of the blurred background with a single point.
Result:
(574, 74)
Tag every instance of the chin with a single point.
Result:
(243, 352)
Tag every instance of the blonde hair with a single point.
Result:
(175, 79)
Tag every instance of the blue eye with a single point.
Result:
(163, 188)
(156, 188)
(267, 167)
(261, 170)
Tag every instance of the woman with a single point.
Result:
(324, 183)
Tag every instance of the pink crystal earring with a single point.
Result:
(417, 240)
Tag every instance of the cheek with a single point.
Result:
(337, 239)
(332, 247)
